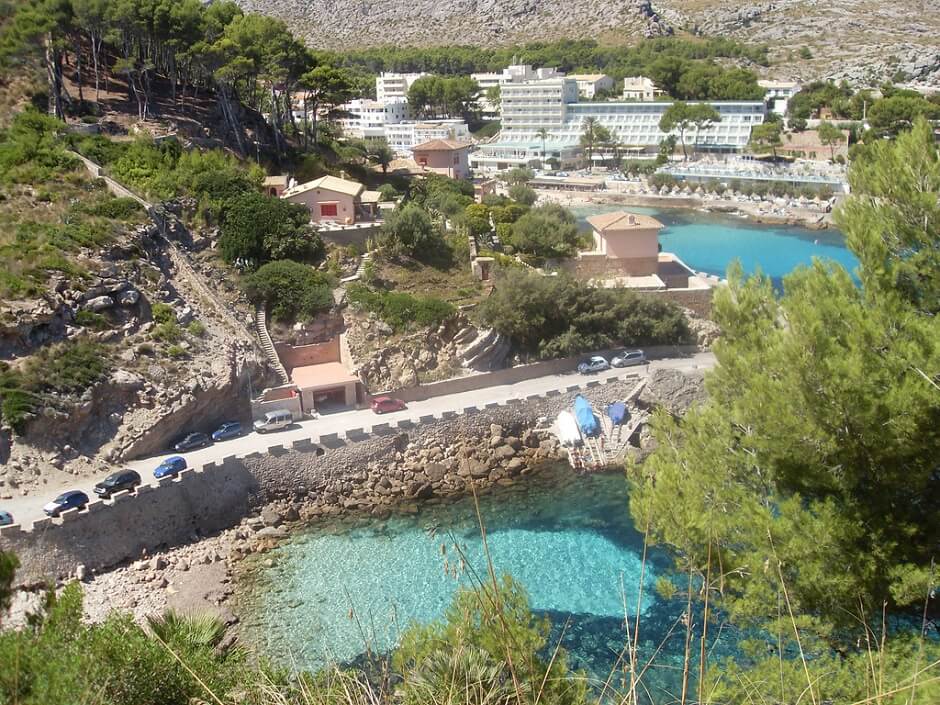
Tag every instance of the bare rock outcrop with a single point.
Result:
(673, 390)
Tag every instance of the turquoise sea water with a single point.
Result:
(569, 540)
(709, 242)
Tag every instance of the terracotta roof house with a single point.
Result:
(330, 198)
(627, 243)
(446, 157)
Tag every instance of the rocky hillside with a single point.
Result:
(356, 23)
(861, 40)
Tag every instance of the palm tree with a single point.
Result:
(589, 137)
(382, 155)
(542, 134)
(594, 135)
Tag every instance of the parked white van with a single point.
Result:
(274, 421)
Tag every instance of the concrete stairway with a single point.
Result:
(360, 270)
(267, 345)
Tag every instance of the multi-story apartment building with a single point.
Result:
(394, 85)
(368, 119)
(517, 73)
(402, 136)
(640, 88)
(552, 105)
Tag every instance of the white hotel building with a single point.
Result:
(389, 86)
(402, 136)
(367, 119)
(553, 105)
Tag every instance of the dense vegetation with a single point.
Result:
(557, 316)
(400, 310)
(54, 371)
(50, 211)
(802, 497)
(292, 290)
(681, 67)
(894, 110)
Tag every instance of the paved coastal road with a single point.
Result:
(27, 509)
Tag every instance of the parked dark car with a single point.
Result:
(230, 429)
(119, 481)
(5, 518)
(382, 405)
(192, 441)
(73, 499)
(628, 358)
(170, 467)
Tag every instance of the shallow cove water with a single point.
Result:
(709, 242)
(338, 586)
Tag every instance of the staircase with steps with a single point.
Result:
(267, 345)
(360, 270)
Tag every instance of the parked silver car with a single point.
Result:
(595, 363)
(628, 358)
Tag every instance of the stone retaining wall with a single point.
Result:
(365, 468)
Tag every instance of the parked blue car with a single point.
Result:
(5, 518)
(170, 467)
(230, 429)
(73, 499)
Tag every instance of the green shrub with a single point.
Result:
(401, 310)
(387, 192)
(163, 313)
(122, 208)
(196, 328)
(291, 290)
(54, 371)
(90, 319)
(557, 316)
(175, 351)
(169, 332)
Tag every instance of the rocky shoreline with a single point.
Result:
(756, 211)
(200, 576)
(442, 463)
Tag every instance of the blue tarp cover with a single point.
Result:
(585, 416)
(618, 412)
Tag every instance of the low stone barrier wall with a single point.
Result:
(362, 469)
(521, 373)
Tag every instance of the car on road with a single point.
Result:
(170, 467)
(383, 405)
(595, 363)
(274, 421)
(192, 441)
(117, 482)
(230, 429)
(73, 499)
(5, 518)
(628, 358)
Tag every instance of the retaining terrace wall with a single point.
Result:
(216, 496)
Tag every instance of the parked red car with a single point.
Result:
(382, 405)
